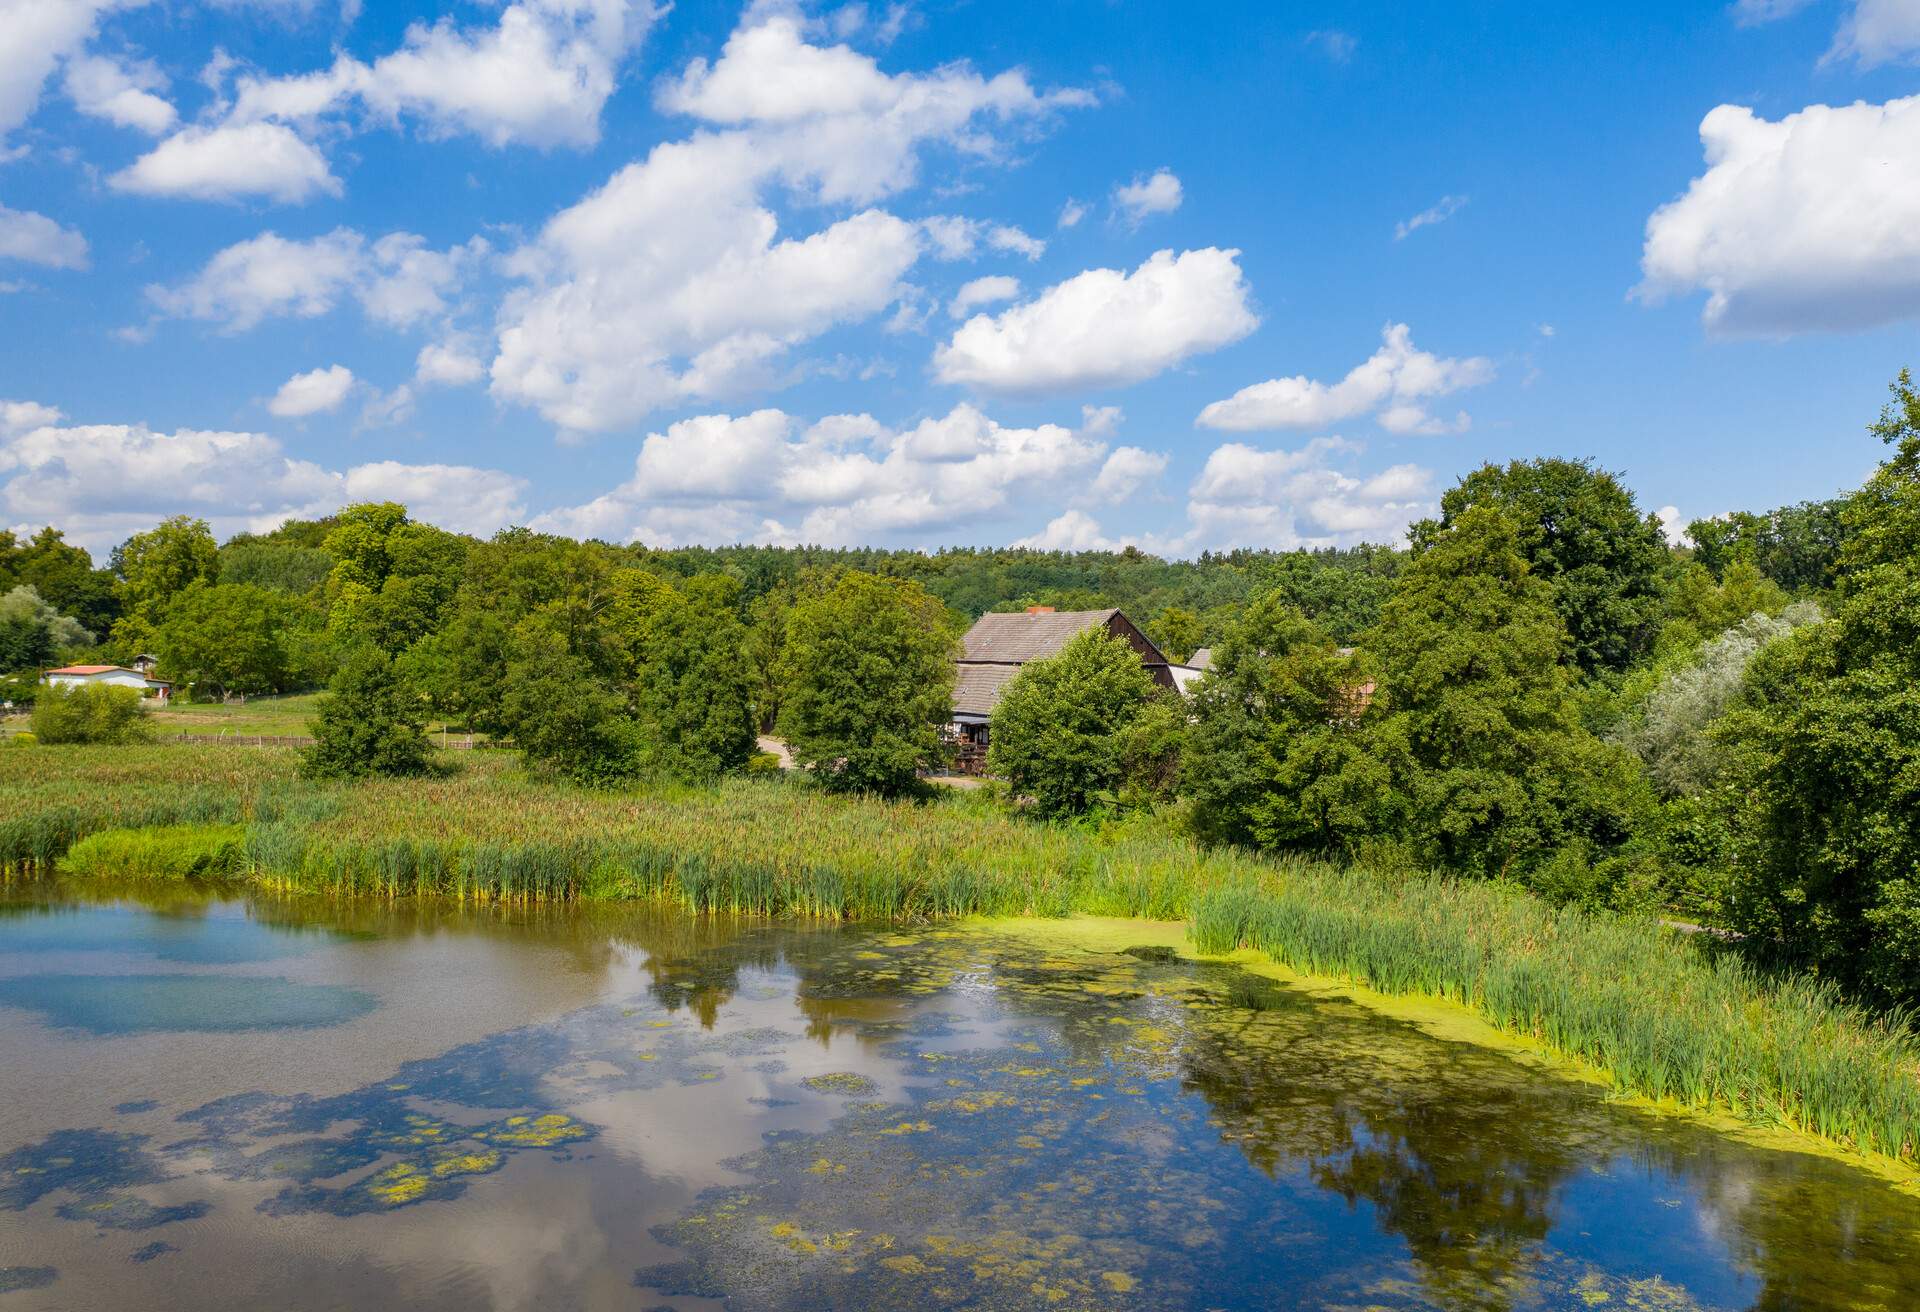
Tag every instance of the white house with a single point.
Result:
(1185, 676)
(113, 676)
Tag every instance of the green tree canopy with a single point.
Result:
(1579, 531)
(32, 632)
(156, 566)
(1828, 842)
(1797, 547)
(1476, 718)
(63, 575)
(870, 671)
(1058, 732)
(222, 638)
(1275, 756)
(368, 723)
(693, 689)
(1178, 632)
(392, 578)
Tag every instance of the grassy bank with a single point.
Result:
(1663, 1017)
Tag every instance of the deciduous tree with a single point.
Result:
(870, 671)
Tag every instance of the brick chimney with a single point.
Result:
(1039, 610)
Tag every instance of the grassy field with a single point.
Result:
(1662, 1015)
(272, 716)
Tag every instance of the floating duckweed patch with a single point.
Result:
(547, 1131)
(128, 1212)
(92, 1166)
(844, 1082)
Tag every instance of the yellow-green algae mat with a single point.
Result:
(1143, 1130)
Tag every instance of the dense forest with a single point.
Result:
(1537, 688)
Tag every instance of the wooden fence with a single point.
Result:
(464, 743)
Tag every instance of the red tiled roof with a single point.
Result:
(91, 669)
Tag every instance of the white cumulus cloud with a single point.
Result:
(1804, 224)
(397, 279)
(538, 76)
(1126, 471)
(451, 363)
(35, 36)
(982, 291)
(1072, 530)
(1878, 32)
(230, 162)
(37, 239)
(316, 392)
(1144, 197)
(766, 476)
(1105, 327)
(1393, 384)
(456, 497)
(1249, 497)
(673, 283)
(122, 93)
(104, 482)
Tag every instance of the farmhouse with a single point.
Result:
(113, 676)
(999, 644)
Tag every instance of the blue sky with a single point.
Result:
(1257, 275)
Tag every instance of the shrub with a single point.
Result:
(91, 713)
(367, 725)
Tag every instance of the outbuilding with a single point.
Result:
(997, 646)
(112, 676)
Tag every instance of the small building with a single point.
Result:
(997, 646)
(1187, 673)
(112, 676)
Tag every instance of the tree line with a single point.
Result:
(1536, 688)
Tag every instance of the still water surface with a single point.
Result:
(211, 1103)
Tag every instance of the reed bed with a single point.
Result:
(1663, 1016)
(168, 852)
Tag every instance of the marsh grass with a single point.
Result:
(1664, 1016)
(200, 851)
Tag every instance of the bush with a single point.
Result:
(91, 713)
(367, 725)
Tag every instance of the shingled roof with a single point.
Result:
(1000, 643)
(1012, 637)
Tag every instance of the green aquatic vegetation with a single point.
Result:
(95, 1170)
(549, 1130)
(158, 1248)
(849, 1083)
(128, 1212)
(1664, 1018)
(203, 851)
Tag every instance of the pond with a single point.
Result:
(213, 1101)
